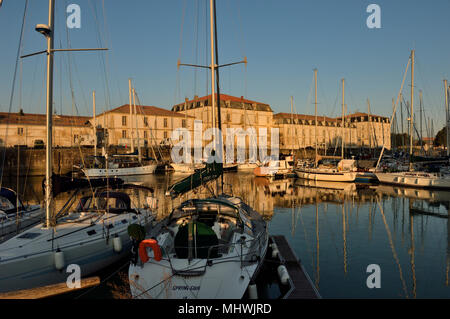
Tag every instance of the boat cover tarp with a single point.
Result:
(209, 173)
(61, 184)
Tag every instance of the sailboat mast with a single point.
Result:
(131, 116)
(343, 129)
(412, 110)
(446, 114)
(216, 69)
(94, 123)
(48, 153)
(213, 81)
(293, 126)
(136, 120)
(315, 112)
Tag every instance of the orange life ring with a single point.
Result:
(153, 244)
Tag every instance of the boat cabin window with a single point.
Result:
(5, 204)
(101, 203)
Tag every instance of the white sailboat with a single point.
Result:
(90, 230)
(413, 178)
(14, 215)
(345, 170)
(123, 164)
(206, 248)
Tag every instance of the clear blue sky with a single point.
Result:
(283, 40)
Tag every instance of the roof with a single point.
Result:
(41, 119)
(234, 102)
(322, 118)
(147, 110)
(303, 117)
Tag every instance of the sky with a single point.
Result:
(283, 41)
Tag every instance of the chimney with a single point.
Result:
(195, 97)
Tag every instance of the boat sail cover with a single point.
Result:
(210, 172)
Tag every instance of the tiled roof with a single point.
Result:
(228, 98)
(41, 119)
(146, 110)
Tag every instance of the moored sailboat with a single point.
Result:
(205, 248)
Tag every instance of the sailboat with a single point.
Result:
(205, 248)
(345, 171)
(122, 164)
(90, 230)
(422, 179)
(14, 215)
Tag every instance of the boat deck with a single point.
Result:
(303, 286)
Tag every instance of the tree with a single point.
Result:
(441, 137)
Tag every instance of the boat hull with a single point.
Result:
(126, 171)
(326, 176)
(414, 179)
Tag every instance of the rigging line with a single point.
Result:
(197, 18)
(19, 48)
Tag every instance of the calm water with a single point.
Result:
(337, 230)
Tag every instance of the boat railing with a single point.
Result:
(244, 259)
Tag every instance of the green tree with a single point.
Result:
(441, 137)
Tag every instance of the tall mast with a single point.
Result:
(446, 114)
(401, 119)
(293, 126)
(343, 124)
(131, 116)
(315, 112)
(94, 123)
(136, 120)
(48, 153)
(412, 110)
(213, 81)
(420, 117)
(216, 69)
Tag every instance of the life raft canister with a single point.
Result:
(153, 244)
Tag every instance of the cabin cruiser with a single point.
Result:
(206, 248)
(421, 179)
(275, 167)
(89, 230)
(14, 215)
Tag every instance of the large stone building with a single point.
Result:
(30, 129)
(359, 130)
(154, 125)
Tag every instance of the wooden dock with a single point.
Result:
(303, 287)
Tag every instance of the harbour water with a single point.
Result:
(336, 229)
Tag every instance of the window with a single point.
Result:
(124, 121)
(165, 134)
(165, 122)
(183, 123)
(124, 134)
(228, 117)
(20, 131)
(145, 121)
(145, 134)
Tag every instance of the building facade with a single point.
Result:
(154, 125)
(27, 129)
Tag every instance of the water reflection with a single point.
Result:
(338, 229)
